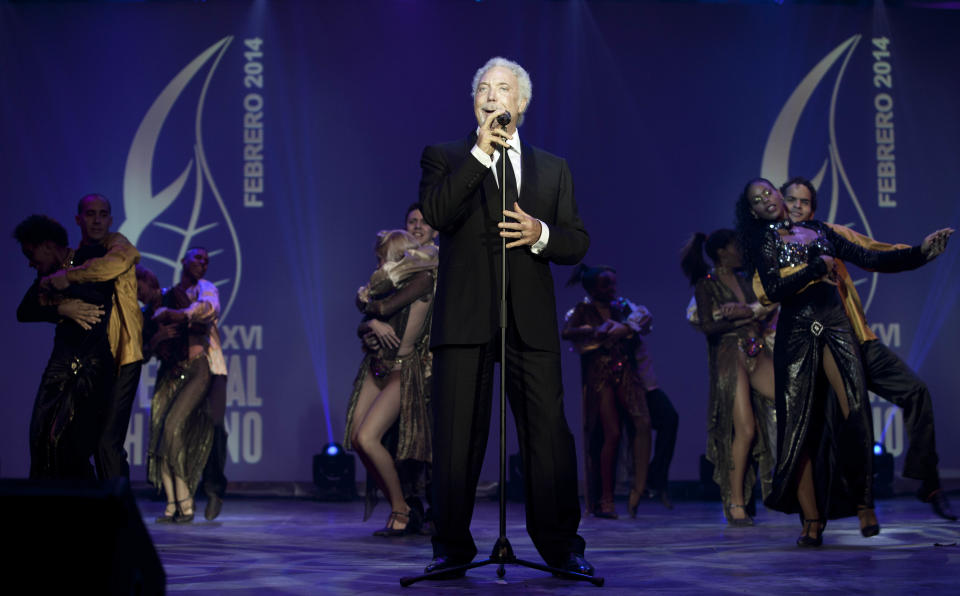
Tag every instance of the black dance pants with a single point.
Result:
(890, 378)
(664, 420)
(111, 457)
(214, 480)
(462, 398)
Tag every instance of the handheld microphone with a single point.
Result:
(504, 119)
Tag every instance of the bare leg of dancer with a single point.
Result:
(610, 419)
(185, 500)
(744, 430)
(376, 412)
(762, 379)
(167, 479)
(812, 525)
(806, 494)
(640, 444)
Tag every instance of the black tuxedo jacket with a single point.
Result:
(461, 199)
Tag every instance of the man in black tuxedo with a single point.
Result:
(461, 198)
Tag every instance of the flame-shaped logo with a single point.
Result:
(776, 154)
(142, 208)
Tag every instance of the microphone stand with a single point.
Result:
(502, 551)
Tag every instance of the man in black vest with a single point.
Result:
(461, 198)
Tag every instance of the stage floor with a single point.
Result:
(298, 546)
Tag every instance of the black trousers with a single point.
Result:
(664, 420)
(110, 456)
(462, 398)
(890, 378)
(214, 480)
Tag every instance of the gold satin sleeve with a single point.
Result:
(865, 241)
(121, 256)
(125, 327)
(848, 291)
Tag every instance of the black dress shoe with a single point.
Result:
(940, 504)
(866, 516)
(214, 504)
(577, 564)
(442, 563)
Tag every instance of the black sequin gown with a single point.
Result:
(812, 319)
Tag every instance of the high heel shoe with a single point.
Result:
(167, 518)
(740, 522)
(411, 521)
(805, 539)
(634, 502)
(182, 517)
(867, 515)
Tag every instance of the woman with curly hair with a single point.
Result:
(72, 396)
(824, 464)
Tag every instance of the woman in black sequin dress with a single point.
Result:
(824, 446)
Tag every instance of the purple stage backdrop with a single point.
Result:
(284, 135)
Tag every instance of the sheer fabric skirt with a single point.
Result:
(181, 429)
(724, 361)
(615, 372)
(414, 421)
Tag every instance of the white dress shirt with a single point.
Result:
(515, 161)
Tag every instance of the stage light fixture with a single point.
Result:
(334, 474)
